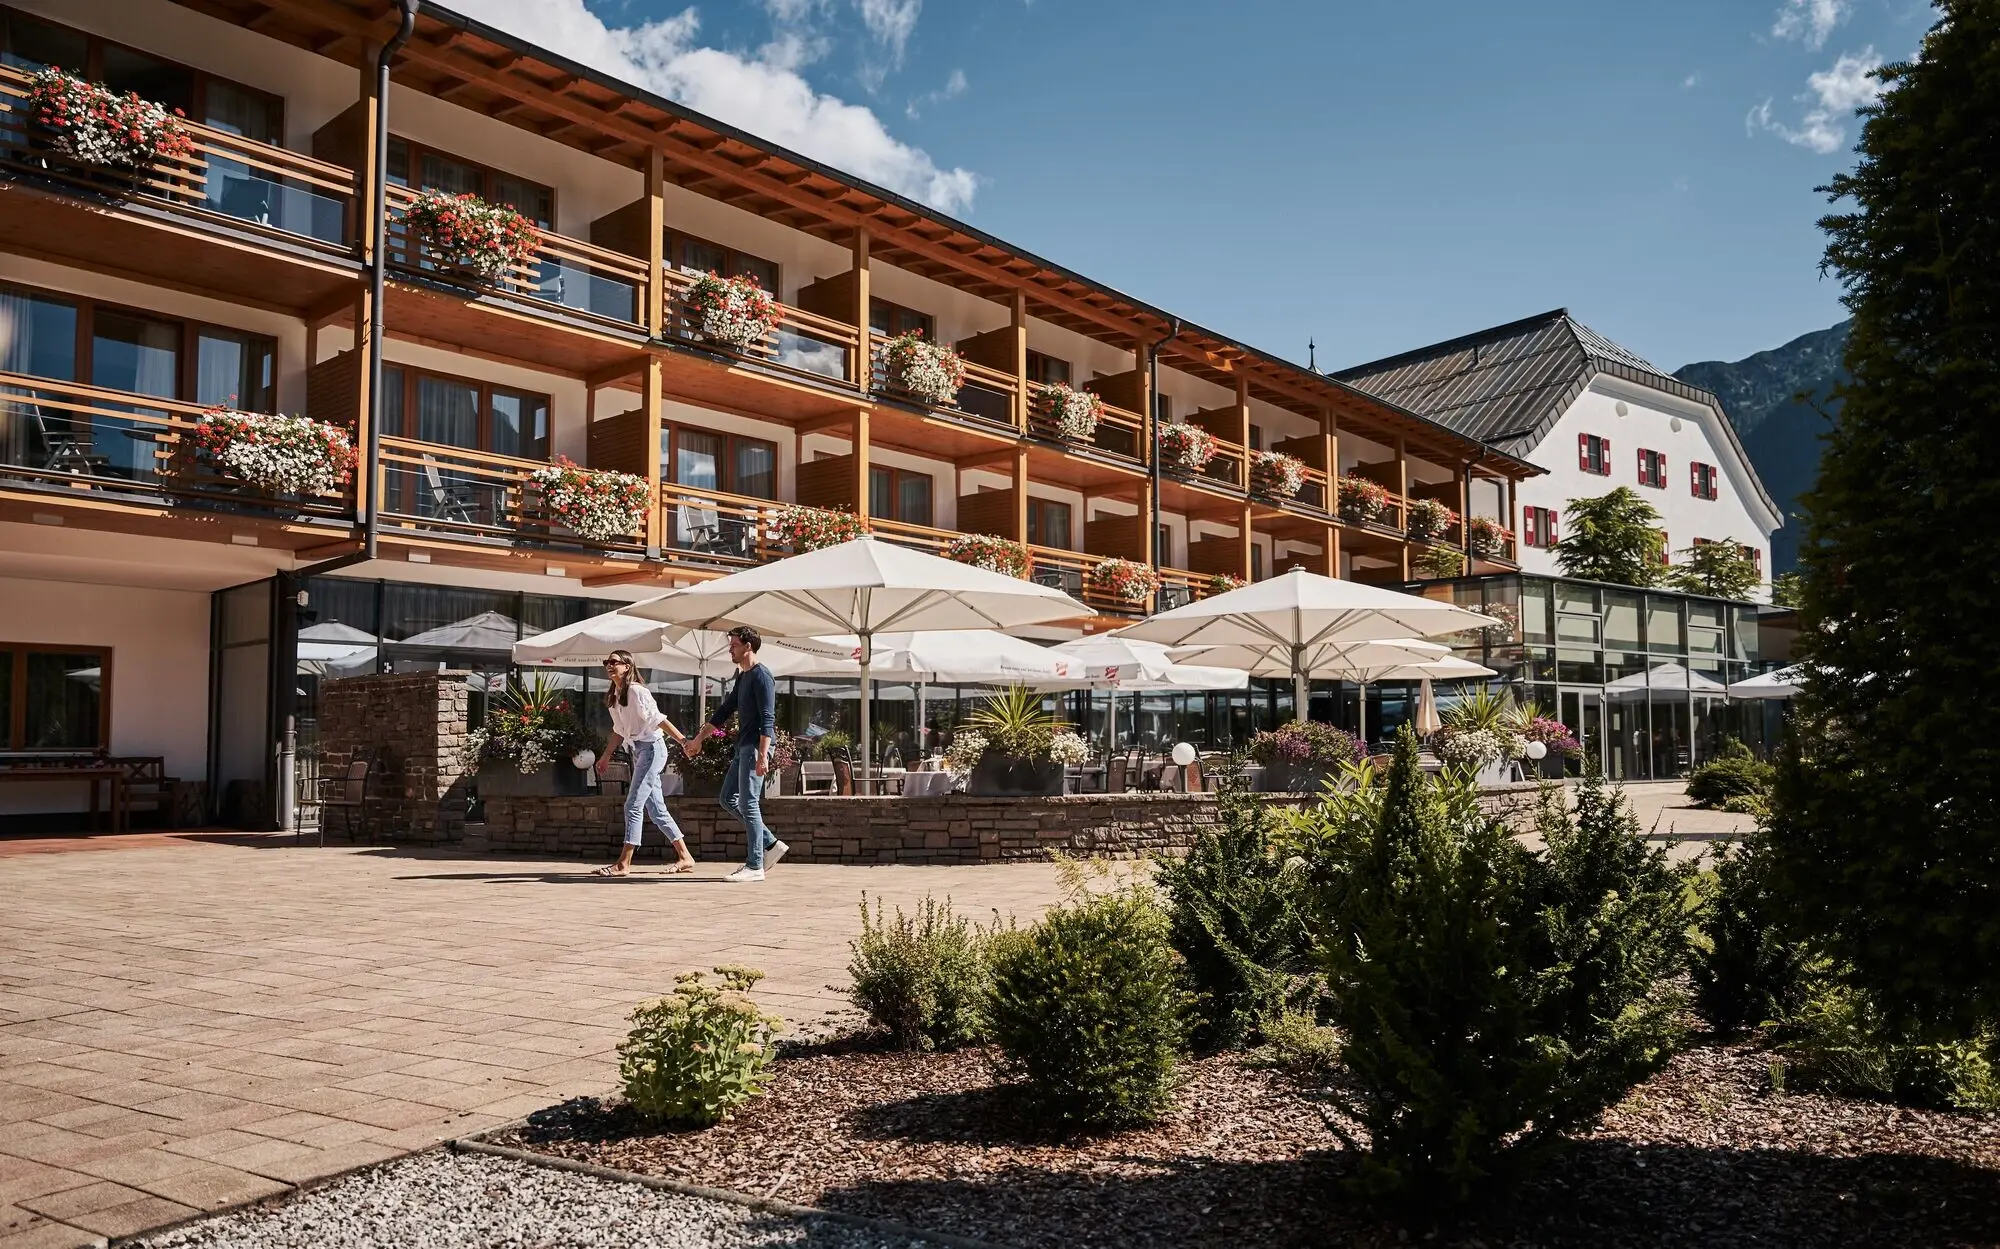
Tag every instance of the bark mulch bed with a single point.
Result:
(1702, 1155)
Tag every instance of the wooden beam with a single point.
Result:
(984, 459)
(1330, 546)
(655, 370)
(861, 473)
(1021, 494)
(328, 550)
(1018, 321)
(656, 245)
(616, 372)
(820, 424)
(1248, 536)
(626, 577)
(864, 371)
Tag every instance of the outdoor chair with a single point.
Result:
(449, 500)
(698, 528)
(346, 792)
(816, 772)
(146, 786)
(69, 450)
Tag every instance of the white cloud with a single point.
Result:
(1810, 21)
(1692, 81)
(891, 22)
(762, 93)
(1832, 96)
(954, 87)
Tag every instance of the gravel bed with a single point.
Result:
(1703, 1155)
(442, 1200)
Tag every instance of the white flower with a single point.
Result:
(1068, 749)
(1470, 750)
(965, 749)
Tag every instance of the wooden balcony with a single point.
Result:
(804, 344)
(442, 491)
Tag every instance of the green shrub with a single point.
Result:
(1747, 804)
(1747, 971)
(1734, 773)
(1488, 1000)
(1234, 916)
(1087, 1010)
(921, 977)
(1838, 1041)
(1300, 1044)
(698, 1053)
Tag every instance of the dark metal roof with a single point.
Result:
(1509, 385)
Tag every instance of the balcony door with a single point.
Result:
(140, 355)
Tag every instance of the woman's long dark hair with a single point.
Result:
(621, 687)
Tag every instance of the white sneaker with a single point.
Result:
(745, 875)
(775, 853)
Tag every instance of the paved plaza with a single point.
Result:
(188, 1022)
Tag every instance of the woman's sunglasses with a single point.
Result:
(615, 663)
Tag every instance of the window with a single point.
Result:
(717, 461)
(900, 495)
(55, 697)
(1652, 469)
(894, 319)
(693, 255)
(1538, 525)
(1666, 547)
(1048, 523)
(30, 43)
(1702, 480)
(1047, 369)
(1163, 547)
(1163, 409)
(413, 165)
(461, 412)
(1756, 558)
(1593, 454)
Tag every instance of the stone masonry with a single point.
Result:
(411, 727)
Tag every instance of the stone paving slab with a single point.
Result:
(193, 1022)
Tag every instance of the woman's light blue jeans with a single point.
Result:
(642, 796)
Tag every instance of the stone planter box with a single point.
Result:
(1292, 780)
(1000, 776)
(498, 778)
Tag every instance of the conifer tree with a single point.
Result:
(1614, 537)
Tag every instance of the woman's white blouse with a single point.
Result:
(639, 719)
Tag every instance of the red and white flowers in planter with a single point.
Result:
(596, 503)
(490, 240)
(1274, 472)
(90, 123)
(1222, 583)
(1486, 535)
(282, 454)
(1185, 448)
(812, 528)
(1073, 413)
(1362, 499)
(929, 371)
(1124, 579)
(994, 554)
(736, 311)
(1427, 518)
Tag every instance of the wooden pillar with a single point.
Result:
(1514, 515)
(1243, 421)
(862, 507)
(655, 454)
(1465, 514)
(864, 367)
(656, 245)
(1329, 435)
(1150, 543)
(1020, 494)
(367, 477)
(1331, 551)
(1020, 326)
(364, 168)
(1249, 541)
(1403, 508)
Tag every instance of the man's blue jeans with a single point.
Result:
(743, 797)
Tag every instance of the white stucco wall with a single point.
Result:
(1736, 514)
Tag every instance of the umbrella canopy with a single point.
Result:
(663, 648)
(1784, 683)
(1344, 661)
(864, 587)
(1299, 613)
(487, 631)
(1113, 659)
(332, 647)
(1428, 720)
(947, 656)
(1449, 668)
(1666, 678)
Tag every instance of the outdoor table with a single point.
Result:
(927, 784)
(111, 774)
(1084, 778)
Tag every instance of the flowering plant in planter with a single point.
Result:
(812, 528)
(1124, 579)
(1486, 534)
(1303, 746)
(734, 311)
(532, 726)
(92, 124)
(1067, 748)
(283, 454)
(1427, 518)
(994, 554)
(466, 231)
(1274, 472)
(1469, 750)
(1074, 413)
(598, 504)
(1186, 448)
(1553, 734)
(1362, 499)
(966, 749)
(1223, 582)
(930, 371)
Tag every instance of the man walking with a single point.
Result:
(753, 700)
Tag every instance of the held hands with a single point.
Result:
(763, 765)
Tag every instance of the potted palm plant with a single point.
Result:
(1015, 741)
(525, 747)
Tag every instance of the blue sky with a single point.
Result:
(1374, 176)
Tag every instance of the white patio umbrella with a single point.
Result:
(701, 653)
(327, 648)
(864, 587)
(487, 631)
(1428, 720)
(1302, 614)
(1784, 683)
(1124, 665)
(1662, 678)
(1364, 662)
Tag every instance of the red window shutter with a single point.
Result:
(1694, 479)
(1549, 530)
(1528, 526)
(1660, 469)
(1604, 455)
(1583, 452)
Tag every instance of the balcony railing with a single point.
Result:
(803, 342)
(226, 175)
(1391, 521)
(119, 445)
(988, 393)
(578, 278)
(457, 492)
(1312, 494)
(707, 526)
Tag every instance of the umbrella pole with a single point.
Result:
(1364, 715)
(867, 656)
(922, 744)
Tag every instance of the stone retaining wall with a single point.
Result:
(411, 727)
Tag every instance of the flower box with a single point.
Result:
(281, 454)
(735, 312)
(1487, 538)
(931, 372)
(597, 504)
(91, 124)
(1275, 473)
(1222, 583)
(812, 528)
(1362, 499)
(1185, 448)
(1009, 776)
(1073, 414)
(1427, 518)
(488, 240)
(994, 554)
(1124, 580)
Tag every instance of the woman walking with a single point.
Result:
(636, 720)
